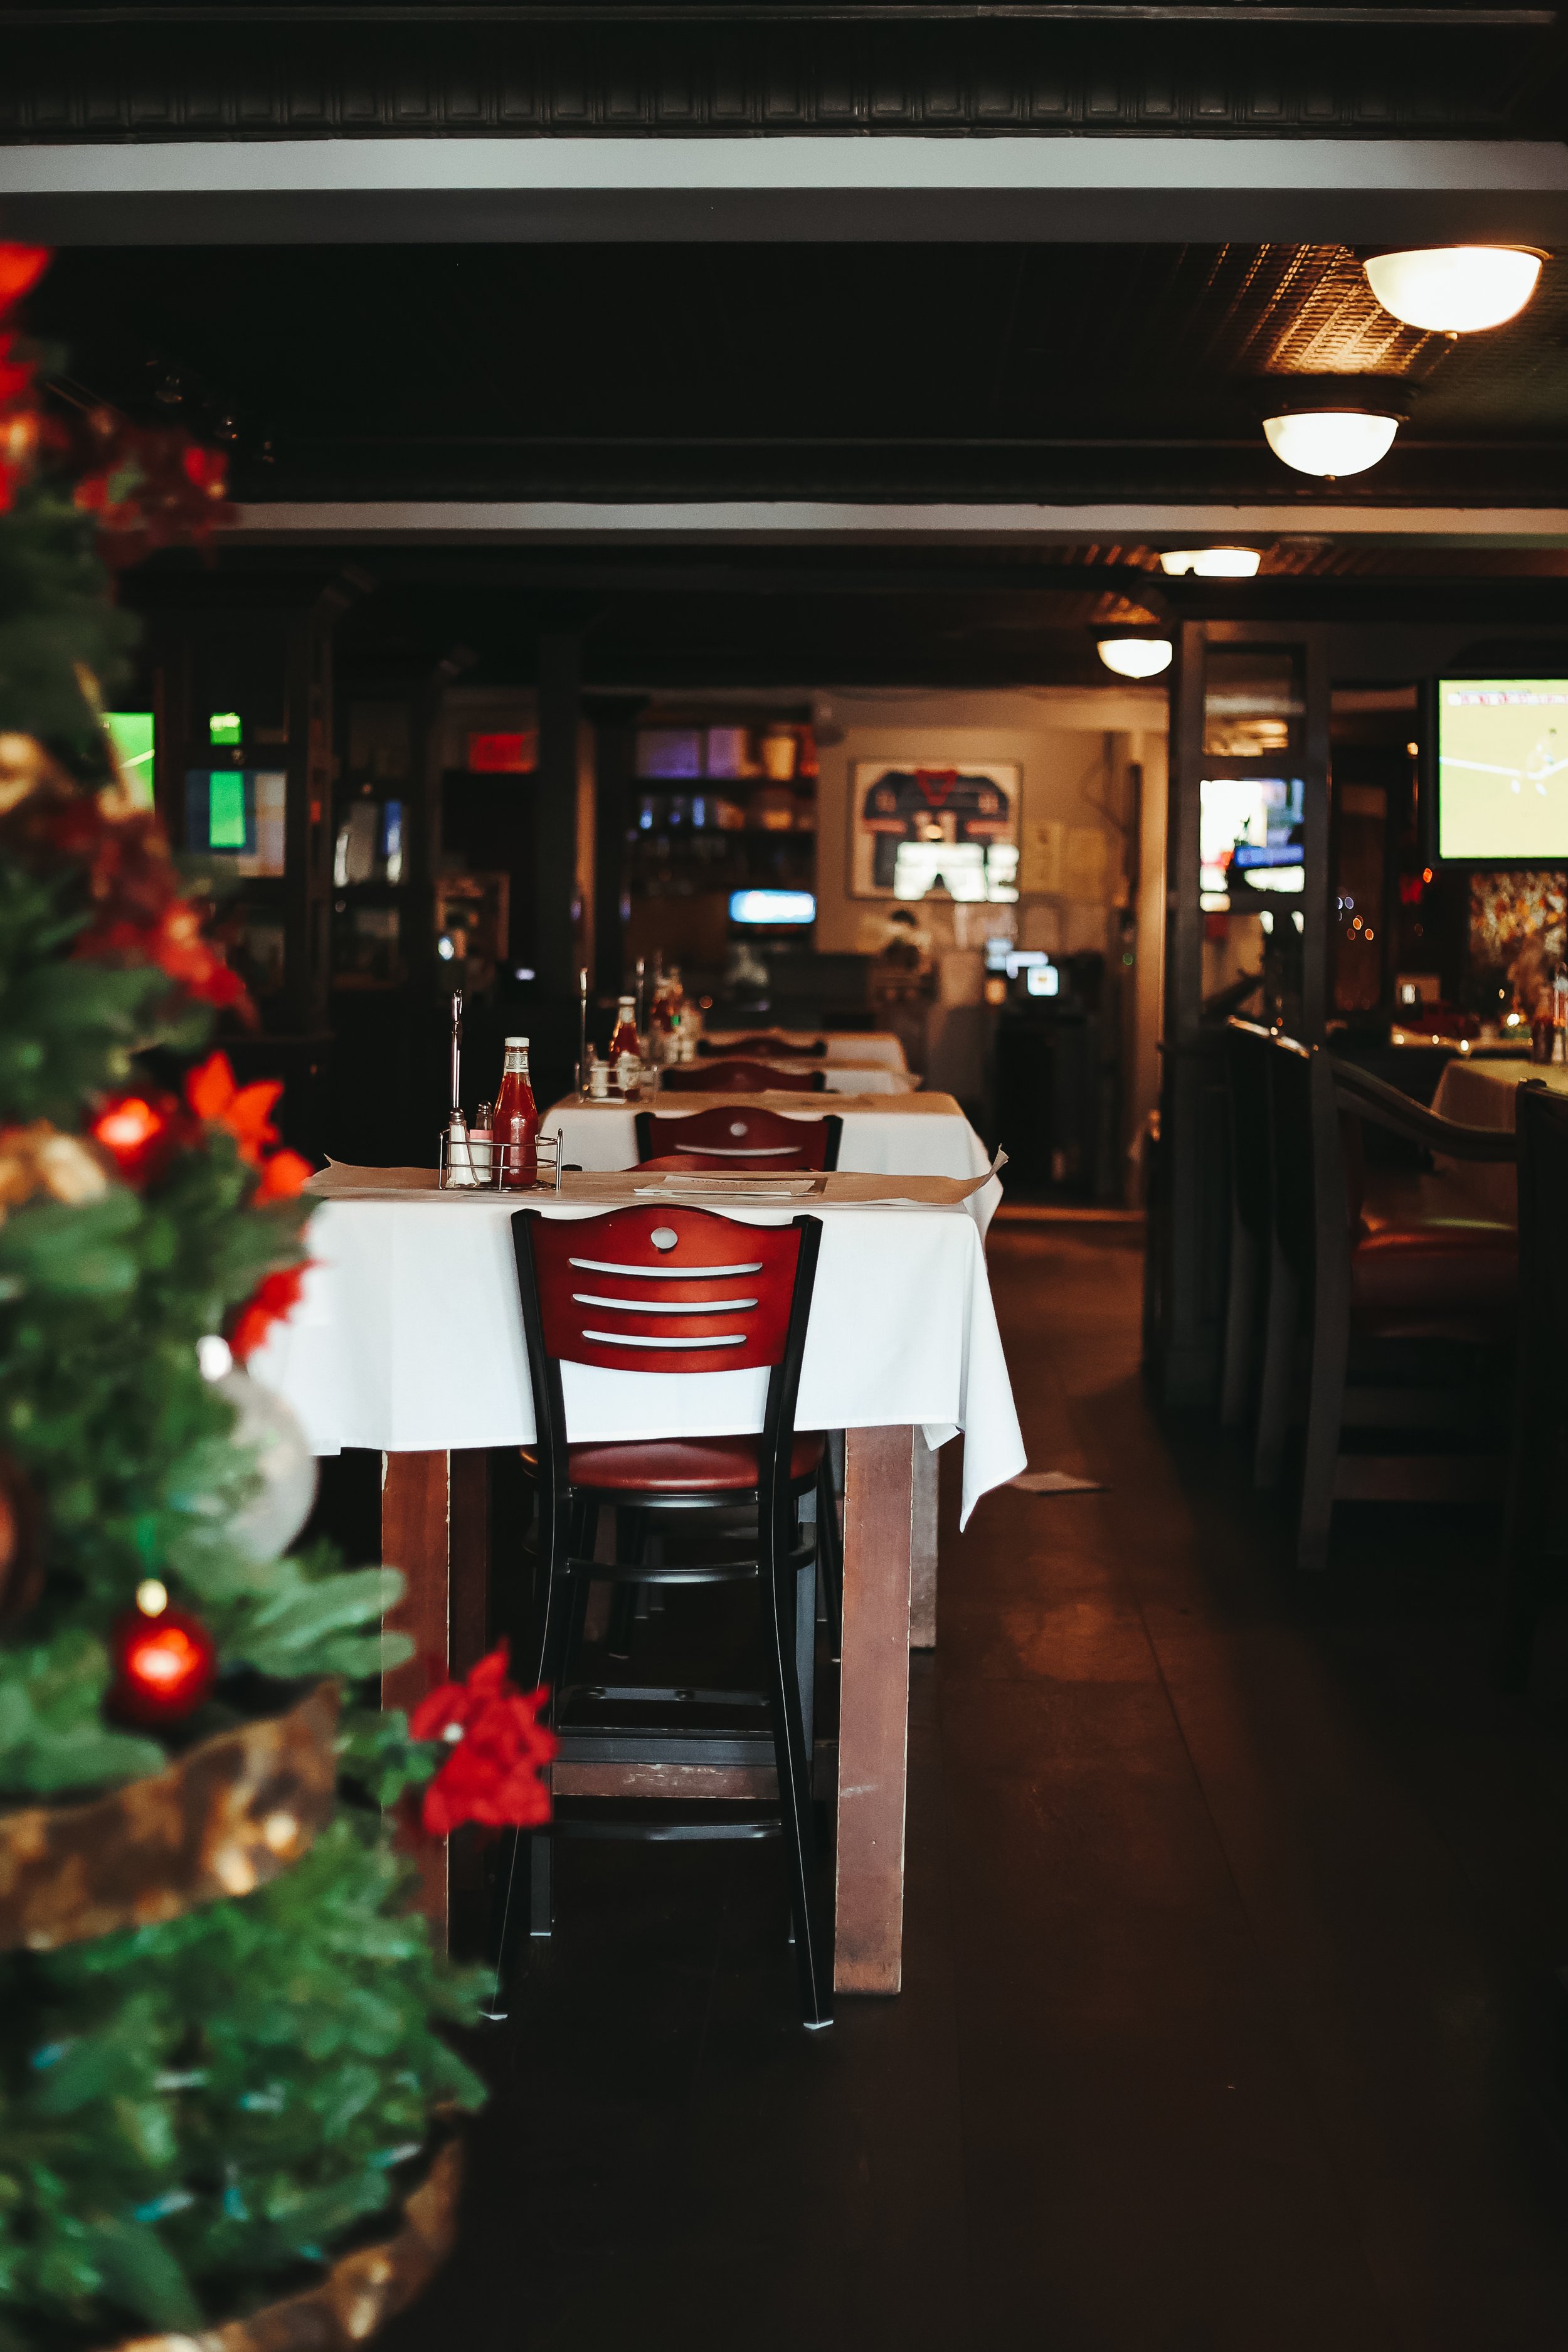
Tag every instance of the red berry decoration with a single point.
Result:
(165, 1661)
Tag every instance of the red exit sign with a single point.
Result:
(504, 755)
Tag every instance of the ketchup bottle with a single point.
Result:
(516, 1126)
(626, 1048)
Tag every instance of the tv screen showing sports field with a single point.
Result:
(1503, 767)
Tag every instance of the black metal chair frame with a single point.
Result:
(783, 1566)
(1312, 1261)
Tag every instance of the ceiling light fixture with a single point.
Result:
(1454, 289)
(1211, 562)
(1333, 425)
(1136, 656)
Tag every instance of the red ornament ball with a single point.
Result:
(164, 1665)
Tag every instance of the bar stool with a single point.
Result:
(678, 1290)
(740, 1077)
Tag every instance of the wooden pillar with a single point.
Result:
(434, 1526)
(874, 1708)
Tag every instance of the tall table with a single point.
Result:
(1483, 1094)
(408, 1340)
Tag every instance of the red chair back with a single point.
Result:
(740, 1079)
(664, 1289)
(766, 1042)
(741, 1139)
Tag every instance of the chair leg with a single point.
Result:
(1278, 1364)
(1325, 1421)
(559, 1621)
(830, 1553)
(1241, 1314)
(1523, 1570)
(812, 1950)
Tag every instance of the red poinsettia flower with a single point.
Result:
(273, 1300)
(21, 267)
(497, 1749)
(283, 1178)
(142, 1133)
(245, 1111)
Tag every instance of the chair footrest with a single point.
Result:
(667, 1832)
(623, 1745)
(645, 1694)
(620, 1572)
(1419, 1477)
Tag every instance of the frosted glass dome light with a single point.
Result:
(1330, 441)
(1454, 289)
(1211, 562)
(1136, 656)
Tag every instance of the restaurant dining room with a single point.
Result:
(783, 1178)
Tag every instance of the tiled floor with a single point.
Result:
(1230, 2016)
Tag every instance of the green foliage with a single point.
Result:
(189, 2112)
(223, 2094)
(55, 615)
(65, 1028)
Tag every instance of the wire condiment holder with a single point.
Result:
(482, 1164)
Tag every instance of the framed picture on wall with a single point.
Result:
(919, 831)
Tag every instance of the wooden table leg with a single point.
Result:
(435, 1528)
(874, 1708)
(922, 1542)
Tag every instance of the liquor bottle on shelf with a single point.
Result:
(626, 1048)
(516, 1127)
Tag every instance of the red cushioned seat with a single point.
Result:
(685, 1466)
(1434, 1272)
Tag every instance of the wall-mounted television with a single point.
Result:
(1502, 769)
(768, 907)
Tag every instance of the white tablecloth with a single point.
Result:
(864, 1045)
(884, 1135)
(409, 1340)
(1482, 1093)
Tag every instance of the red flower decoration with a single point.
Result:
(142, 1136)
(273, 1300)
(245, 1111)
(21, 267)
(283, 1178)
(498, 1747)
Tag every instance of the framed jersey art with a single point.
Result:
(918, 832)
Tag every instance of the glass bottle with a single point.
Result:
(625, 1050)
(516, 1129)
(481, 1135)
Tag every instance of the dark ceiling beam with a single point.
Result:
(816, 189)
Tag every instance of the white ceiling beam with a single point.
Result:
(827, 189)
(758, 522)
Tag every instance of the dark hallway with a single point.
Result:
(1234, 1917)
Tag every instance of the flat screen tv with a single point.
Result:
(1502, 769)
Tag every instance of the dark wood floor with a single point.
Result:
(1230, 2014)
